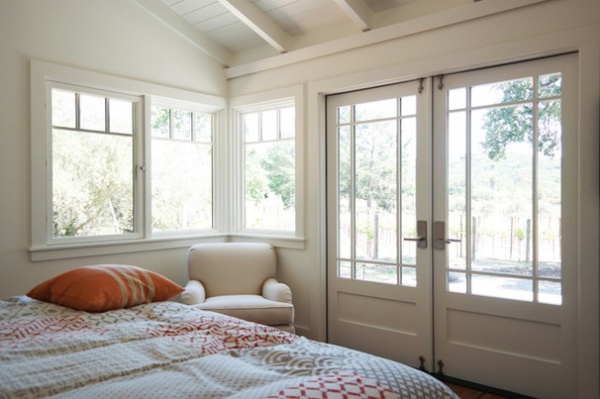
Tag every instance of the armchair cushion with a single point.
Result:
(253, 308)
(193, 293)
(276, 291)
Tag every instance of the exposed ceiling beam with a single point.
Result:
(358, 12)
(259, 22)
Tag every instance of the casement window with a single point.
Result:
(118, 165)
(268, 198)
(93, 164)
(182, 172)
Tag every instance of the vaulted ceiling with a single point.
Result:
(239, 32)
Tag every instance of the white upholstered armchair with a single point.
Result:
(238, 279)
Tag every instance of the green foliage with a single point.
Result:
(510, 124)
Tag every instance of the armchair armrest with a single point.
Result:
(276, 291)
(193, 293)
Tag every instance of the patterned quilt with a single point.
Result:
(167, 349)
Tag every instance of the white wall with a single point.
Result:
(113, 37)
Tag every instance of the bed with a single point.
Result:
(165, 349)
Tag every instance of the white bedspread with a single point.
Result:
(167, 349)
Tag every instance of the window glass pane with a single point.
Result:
(269, 125)
(121, 116)
(92, 184)
(160, 120)
(270, 191)
(92, 110)
(203, 127)
(63, 108)
(550, 85)
(408, 105)
(287, 121)
(177, 203)
(343, 114)
(182, 125)
(250, 126)
(375, 110)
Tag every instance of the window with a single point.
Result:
(116, 161)
(182, 184)
(269, 169)
(268, 165)
(93, 163)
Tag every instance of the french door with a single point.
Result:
(452, 214)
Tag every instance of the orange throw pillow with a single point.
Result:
(105, 287)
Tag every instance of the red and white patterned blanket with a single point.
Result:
(167, 349)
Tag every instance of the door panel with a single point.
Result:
(378, 174)
(504, 294)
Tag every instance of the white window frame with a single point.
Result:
(181, 105)
(289, 96)
(43, 246)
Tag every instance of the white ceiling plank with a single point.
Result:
(259, 22)
(177, 24)
(358, 11)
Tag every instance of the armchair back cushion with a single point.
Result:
(232, 268)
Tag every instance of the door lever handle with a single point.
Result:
(439, 234)
(421, 241)
(421, 237)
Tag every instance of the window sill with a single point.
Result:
(43, 253)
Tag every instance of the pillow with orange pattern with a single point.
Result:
(100, 288)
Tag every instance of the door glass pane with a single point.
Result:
(504, 189)
(379, 273)
(408, 195)
(344, 189)
(502, 287)
(501, 194)
(375, 110)
(375, 190)
(457, 173)
(549, 193)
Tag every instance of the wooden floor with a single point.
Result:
(468, 393)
